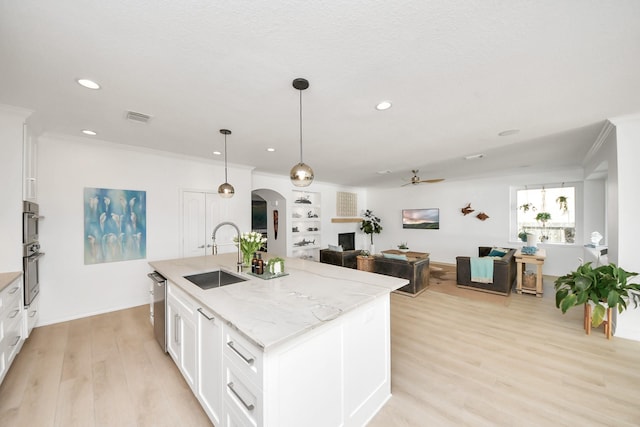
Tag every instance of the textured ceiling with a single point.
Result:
(457, 72)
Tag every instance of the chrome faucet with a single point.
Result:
(215, 246)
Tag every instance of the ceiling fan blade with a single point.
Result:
(433, 181)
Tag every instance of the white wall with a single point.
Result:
(11, 123)
(626, 217)
(461, 235)
(329, 230)
(70, 289)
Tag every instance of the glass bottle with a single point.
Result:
(260, 265)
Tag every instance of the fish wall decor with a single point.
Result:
(482, 216)
(467, 209)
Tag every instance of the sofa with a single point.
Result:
(415, 270)
(504, 272)
(341, 258)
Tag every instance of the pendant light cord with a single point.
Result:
(301, 126)
(225, 158)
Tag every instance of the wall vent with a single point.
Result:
(138, 117)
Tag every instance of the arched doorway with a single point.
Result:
(275, 209)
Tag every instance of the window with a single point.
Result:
(548, 213)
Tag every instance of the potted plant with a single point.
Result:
(525, 207)
(370, 224)
(543, 217)
(607, 284)
(562, 204)
(403, 247)
(275, 265)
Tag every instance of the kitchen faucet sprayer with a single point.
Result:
(215, 246)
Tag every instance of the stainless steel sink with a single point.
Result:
(214, 279)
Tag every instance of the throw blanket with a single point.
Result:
(482, 269)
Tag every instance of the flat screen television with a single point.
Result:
(421, 219)
(347, 241)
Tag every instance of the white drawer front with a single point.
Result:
(244, 355)
(10, 301)
(241, 398)
(13, 338)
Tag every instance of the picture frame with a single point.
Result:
(421, 219)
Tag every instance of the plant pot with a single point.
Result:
(365, 263)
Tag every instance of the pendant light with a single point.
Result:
(301, 174)
(225, 190)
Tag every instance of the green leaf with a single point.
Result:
(612, 298)
(568, 302)
(560, 295)
(598, 315)
(582, 283)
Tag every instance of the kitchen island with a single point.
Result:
(310, 348)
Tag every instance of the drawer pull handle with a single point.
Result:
(17, 340)
(249, 360)
(14, 290)
(204, 314)
(13, 314)
(236, 394)
(33, 313)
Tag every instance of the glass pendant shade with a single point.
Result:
(226, 190)
(301, 175)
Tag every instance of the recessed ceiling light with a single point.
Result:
(89, 84)
(474, 156)
(217, 153)
(384, 105)
(384, 172)
(509, 132)
(89, 132)
(271, 150)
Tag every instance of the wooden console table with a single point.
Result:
(537, 259)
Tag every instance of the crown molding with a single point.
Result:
(600, 140)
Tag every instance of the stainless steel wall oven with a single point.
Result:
(30, 222)
(31, 251)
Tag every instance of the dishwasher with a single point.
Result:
(159, 309)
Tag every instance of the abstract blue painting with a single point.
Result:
(115, 225)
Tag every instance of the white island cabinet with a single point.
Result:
(181, 333)
(311, 348)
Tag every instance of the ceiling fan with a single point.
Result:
(415, 179)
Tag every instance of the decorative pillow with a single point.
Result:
(500, 252)
(394, 256)
(335, 248)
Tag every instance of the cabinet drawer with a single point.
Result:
(10, 300)
(12, 340)
(243, 355)
(242, 400)
(32, 313)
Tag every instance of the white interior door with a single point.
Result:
(198, 219)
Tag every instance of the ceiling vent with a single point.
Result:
(138, 117)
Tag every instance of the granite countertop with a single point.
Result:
(270, 312)
(7, 278)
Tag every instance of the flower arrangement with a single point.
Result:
(250, 243)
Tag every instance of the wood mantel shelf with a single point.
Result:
(346, 219)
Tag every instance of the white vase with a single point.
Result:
(531, 239)
(372, 249)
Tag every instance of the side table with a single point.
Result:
(537, 259)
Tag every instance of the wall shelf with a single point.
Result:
(346, 219)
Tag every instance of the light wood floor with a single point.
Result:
(455, 362)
